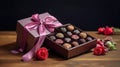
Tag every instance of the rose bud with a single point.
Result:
(99, 50)
(101, 30)
(42, 53)
(110, 45)
(108, 30)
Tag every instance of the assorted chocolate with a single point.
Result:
(63, 29)
(75, 37)
(89, 38)
(69, 33)
(83, 35)
(69, 36)
(75, 43)
(52, 38)
(76, 31)
(60, 35)
(59, 41)
(70, 27)
(69, 41)
(67, 45)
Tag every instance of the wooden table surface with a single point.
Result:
(7, 59)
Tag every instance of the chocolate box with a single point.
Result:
(70, 51)
(32, 35)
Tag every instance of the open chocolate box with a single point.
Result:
(69, 41)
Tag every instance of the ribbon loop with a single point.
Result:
(35, 18)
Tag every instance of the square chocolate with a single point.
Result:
(69, 41)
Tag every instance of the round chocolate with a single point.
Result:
(74, 43)
(67, 39)
(76, 31)
(69, 33)
(63, 29)
(67, 45)
(59, 35)
(75, 37)
(52, 38)
(70, 27)
(83, 35)
(89, 38)
(59, 41)
(82, 41)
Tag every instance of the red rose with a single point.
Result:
(42, 53)
(101, 30)
(99, 50)
(108, 31)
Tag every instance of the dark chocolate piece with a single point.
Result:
(89, 38)
(82, 41)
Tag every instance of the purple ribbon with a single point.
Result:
(43, 27)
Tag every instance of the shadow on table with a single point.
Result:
(58, 57)
(7, 57)
(6, 49)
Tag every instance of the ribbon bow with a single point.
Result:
(43, 27)
(42, 24)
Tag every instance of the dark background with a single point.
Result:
(86, 14)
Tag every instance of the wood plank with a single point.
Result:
(7, 59)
